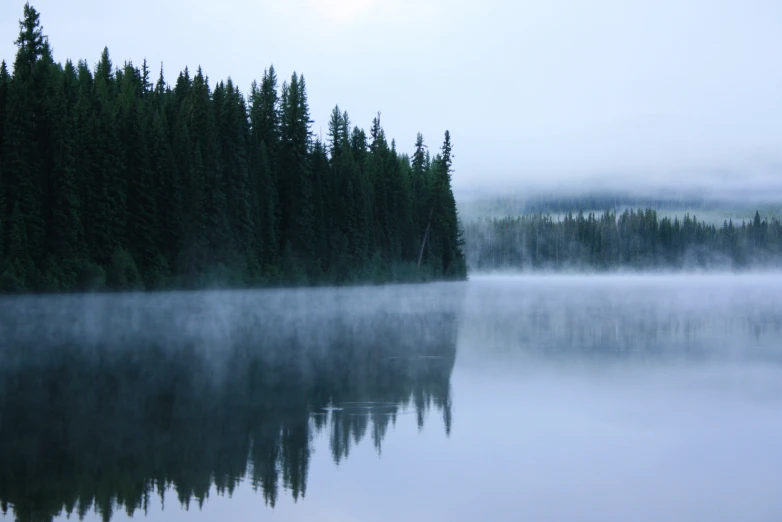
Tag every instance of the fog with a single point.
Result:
(546, 95)
(548, 398)
(726, 189)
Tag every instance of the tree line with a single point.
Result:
(634, 239)
(109, 178)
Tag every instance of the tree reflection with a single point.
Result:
(107, 419)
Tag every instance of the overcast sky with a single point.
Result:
(546, 93)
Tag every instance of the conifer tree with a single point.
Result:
(107, 178)
(268, 214)
(141, 217)
(296, 190)
(5, 80)
(65, 230)
(264, 144)
(24, 150)
(233, 130)
(110, 182)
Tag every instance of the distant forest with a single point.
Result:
(108, 180)
(631, 240)
(712, 209)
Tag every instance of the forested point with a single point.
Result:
(631, 240)
(108, 180)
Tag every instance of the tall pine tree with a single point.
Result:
(109, 179)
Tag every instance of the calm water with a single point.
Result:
(506, 398)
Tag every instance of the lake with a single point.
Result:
(562, 398)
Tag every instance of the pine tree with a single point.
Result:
(166, 187)
(418, 186)
(378, 164)
(445, 223)
(322, 223)
(268, 214)
(109, 185)
(20, 268)
(265, 116)
(406, 210)
(5, 80)
(105, 177)
(337, 194)
(203, 133)
(362, 238)
(66, 235)
(296, 190)
(233, 130)
(24, 147)
(142, 218)
(264, 144)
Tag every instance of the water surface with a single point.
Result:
(506, 398)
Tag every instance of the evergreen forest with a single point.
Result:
(635, 240)
(111, 178)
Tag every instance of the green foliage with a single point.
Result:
(122, 273)
(109, 180)
(90, 276)
(10, 282)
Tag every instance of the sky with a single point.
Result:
(544, 95)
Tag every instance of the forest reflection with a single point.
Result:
(614, 318)
(106, 402)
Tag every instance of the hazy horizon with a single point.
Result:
(553, 96)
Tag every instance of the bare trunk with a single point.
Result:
(426, 235)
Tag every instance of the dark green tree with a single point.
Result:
(263, 145)
(65, 233)
(142, 212)
(109, 179)
(25, 152)
(296, 190)
(5, 80)
(233, 131)
(444, 233)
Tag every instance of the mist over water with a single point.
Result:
(506, 398)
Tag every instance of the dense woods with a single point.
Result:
(633, 239)
(112, 178)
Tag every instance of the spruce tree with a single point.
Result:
(296, 189)
(264, 143)
(109, 185)
(336, 194)
(362, 236)
(105, 177)
(66, 237)
(167, 195)
(207, 167)
(322, 223)
(446, 243)
(142, 213)
(378, 165)
(20, 269)
(5, 80)
(418, 185)
(267, 196)
(24, 142)
(233, 131)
